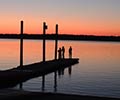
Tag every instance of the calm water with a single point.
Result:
(98, 71)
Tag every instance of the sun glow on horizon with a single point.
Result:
(87, 17)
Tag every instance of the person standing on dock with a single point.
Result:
(70, 52)
(59, 53)
(63, 52)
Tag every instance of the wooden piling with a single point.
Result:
(44, 32)
(21, 43)
(56, 40)
(21, 48)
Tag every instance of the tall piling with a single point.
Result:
(56, 40)
(21, 48)
(44, 32)
(21, 43)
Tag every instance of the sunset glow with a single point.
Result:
(87, 17)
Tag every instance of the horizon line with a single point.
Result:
(58, 34)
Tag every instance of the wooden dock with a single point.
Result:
(22, 73)
(12, 77)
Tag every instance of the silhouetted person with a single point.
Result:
(70, 52)
(59, 53)
(63, 52)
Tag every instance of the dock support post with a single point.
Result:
(44, 32)
(21, 48)
(21, 43)
(56, 40)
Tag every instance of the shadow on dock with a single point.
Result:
(12, 77)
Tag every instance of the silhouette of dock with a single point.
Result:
(22, 73)
(14, 76)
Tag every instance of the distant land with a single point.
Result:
(62, 37)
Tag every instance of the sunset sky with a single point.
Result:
(91, 17)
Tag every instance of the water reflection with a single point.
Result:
(55, 81)
(56, 74)
(61, 72)
(21, 86)
(70, 70)
(98, 72)
(43, 82)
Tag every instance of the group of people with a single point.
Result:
(61, 52)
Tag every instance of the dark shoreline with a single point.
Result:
(62, 37)
(21, 94)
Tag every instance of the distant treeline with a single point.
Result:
(62, 37)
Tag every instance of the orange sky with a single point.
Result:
(87, 17)
(74, 27)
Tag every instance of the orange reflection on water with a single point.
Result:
(95, 55)
(92, 55)
(9, 53)
(33, 51)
